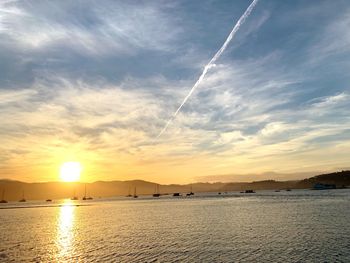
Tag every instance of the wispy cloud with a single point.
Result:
(95, 82)
(99, 29)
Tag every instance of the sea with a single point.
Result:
(266, 226)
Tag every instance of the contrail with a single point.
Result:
(212, 61)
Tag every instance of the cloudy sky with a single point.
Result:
(96, 81)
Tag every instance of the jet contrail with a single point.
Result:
(211, 62)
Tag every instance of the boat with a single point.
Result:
(156, 191)
(277, 191)
(48, 200)
(85, 197)
(190, 193)
(288, 190)
(249, 191)
(320, 186)
(23, 199)
(74, 197)
(176, 194)
(135, 196)
(3, 201)
(129, 194)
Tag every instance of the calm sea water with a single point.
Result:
(296, 226)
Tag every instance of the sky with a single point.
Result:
(95, 82)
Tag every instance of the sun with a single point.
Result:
(70, 171)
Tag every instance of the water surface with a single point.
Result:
(296, 226)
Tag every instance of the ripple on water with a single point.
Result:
(303, 227)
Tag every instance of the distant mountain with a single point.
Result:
(261, 185)
(338, 178)
(58, 190)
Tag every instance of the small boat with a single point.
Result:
(176, 194)
(74, 197)
(249, 191)
(48, 200)
(23, 199)
(277, 191)
(85, 197)
(190, 193)
(156, 191)
(135, 196)
(320, 186)
(129, 194)
(3, 201)
(288, 190)
(219, 193)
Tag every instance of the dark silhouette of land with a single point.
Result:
(58, 190)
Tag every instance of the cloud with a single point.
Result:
(97, 82)
(98, 30)
(10, 96)
(328, 103)
(335, 38)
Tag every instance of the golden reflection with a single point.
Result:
(65, 229)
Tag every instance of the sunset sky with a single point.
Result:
(95, 82)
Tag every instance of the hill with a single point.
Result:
(340, 179)
(59, 190)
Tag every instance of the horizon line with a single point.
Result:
(199, 182)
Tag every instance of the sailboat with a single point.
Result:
(85, 197)
(3, 201)
(191, 193)
(129, 195)
(23, 199)
(135, 196)
(156, 191)
(74, 196)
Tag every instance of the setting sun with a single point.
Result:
(70, 171)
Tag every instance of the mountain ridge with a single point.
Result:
(58, 190)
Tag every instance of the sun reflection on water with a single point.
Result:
(65, 229)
